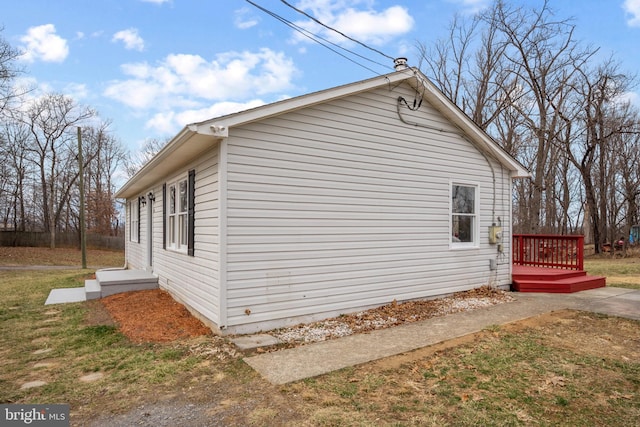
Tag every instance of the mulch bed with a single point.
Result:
(152, 316)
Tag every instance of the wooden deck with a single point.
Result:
(554, 280)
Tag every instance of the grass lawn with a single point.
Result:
(565, 368)
(620, 272)
(10, 256)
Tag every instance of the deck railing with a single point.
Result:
(549, 250)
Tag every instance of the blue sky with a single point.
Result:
(153, 66)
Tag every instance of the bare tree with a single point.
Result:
(629, 165)
(136, 161)
(14, 151)
(8, 72)
(545, 57)
(516, 72)
(52, 121)
(593, 127)
(101, 209)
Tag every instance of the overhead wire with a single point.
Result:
(336, 31)
(316, 38)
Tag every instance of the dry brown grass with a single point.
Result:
(22, 256)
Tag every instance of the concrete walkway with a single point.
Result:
(307, 361)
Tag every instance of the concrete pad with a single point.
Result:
(62, 296)
(91, 377)
(255, 341)
(289, 365)
(294, 364)
(32, 384)
(606, 292)
(43, 365)
(632, 296)
(624, 305)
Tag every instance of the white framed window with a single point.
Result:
(177, 218)
(134, 220)
(464, 215)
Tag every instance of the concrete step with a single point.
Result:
(110, 282)
(117, 277)
(92, 289)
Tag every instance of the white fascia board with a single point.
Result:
(292, 104)
(469, 127)
(183, 148)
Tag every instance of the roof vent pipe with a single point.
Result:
(400, 64)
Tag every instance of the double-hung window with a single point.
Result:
(177, 207)
(464, 215)
(134, 220)
(179, 214)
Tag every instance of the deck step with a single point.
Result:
(549, 274)
(555, 281)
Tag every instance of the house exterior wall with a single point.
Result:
(340, 207)
(192, 280)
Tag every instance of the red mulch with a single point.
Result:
(152, 316)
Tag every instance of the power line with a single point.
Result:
(335, 30)
(316, 38)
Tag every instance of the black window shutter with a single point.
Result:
(191, 213)
(138, 220)
(164, 216)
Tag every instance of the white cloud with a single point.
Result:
(170, 122)
(77, 91)
(42, 43)
(365, 24)
(244, 18)
(33, 90)
(130, 38)
(376, 27)
(631, 97)
(632, 8)
(471, 7)
(188, 81)
(156, 1)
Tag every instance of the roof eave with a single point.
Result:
(178, 152)
(280, 107)
(470, 128)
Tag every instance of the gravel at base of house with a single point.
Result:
(391, 315)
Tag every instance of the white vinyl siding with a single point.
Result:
(192, 280)
(341, 206)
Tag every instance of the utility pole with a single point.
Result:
(83, 237)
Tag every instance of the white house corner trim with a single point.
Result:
(511, 232)
(222, 231)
